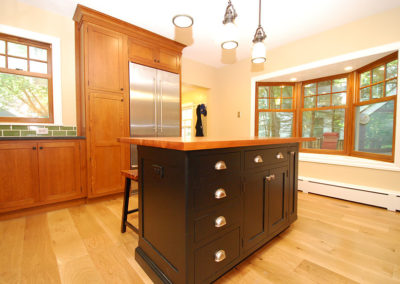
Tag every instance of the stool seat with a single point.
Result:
(129, 176)
(132, 174)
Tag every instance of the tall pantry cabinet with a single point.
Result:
(104, 47)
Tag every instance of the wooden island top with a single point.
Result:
(204, 143)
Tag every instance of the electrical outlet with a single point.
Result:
(238, 114)
(42, 131)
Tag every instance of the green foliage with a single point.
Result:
(24, 96)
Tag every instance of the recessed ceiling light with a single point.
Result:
(348, 68)
(182, 21)
(293, 79)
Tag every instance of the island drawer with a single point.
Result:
(215, 165)
(264, 157)
(208, 193)
(216, 255)
(218, 220)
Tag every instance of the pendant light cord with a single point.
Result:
(259, 14)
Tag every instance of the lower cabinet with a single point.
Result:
(39, 173)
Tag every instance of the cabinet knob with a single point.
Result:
(292, 153)
(33, 148)
(270, 177)
(220, 222)
(122, 89)
(279, 156)
(122, 100)
(220, 193)
(258, 159)
(219, 255)
(41, 148)
(220, 165)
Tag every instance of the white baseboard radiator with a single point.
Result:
(367, 195)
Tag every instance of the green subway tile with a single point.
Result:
(28, 133)
(59, 133)
(71, 133)
(19, 127)
(1, 132)
(11, 133)
(53, 127)
(66, 128)
(5, 126)
(44, 135)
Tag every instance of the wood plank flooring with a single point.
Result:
(333, 241)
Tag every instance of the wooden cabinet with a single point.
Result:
(59, 170)
(205, 211)
(105, 59)
(104, 47)
(38, 173)
(107, 156)
(18, 175)
(150, 54)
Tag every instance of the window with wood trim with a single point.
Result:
(375, 109)
(275, 109)
(350, 114)
(26, 93)
(324, 112)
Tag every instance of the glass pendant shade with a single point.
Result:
(182, 21)
(258, 54)
(229, 36)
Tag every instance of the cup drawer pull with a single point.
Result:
(258, 159)
(279, 156)
(220, 165)
(220, 222)
(220, 255)
(220, 193)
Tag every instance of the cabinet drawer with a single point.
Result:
(261, 158)
(219, 220)
(215, 165)
(207, 263)
(210, 193)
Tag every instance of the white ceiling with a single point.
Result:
(283, 20)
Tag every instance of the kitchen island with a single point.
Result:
(206, 204)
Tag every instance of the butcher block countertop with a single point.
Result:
(203, 143)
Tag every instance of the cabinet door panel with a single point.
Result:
(277, 199)
(106, 154)
(105, 59)
(169, 60)
(255, 212)
(59, 170)
(19, 181)
(141, 52)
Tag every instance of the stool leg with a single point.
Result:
(125, 205)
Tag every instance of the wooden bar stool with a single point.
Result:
(129, 176)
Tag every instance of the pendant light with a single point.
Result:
(229, 32)
(258, 54)
(182, 21)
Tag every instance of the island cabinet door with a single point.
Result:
(278, 188)
(255, 214)
(293, 176)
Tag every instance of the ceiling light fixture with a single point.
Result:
(348, 68)
(229, 32)
(182, 21)
(293, 79)
(258, 54)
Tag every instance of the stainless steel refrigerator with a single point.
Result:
(154, 104)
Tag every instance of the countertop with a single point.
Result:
(203, 143)
(22, 138)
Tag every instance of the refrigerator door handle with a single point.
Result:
(161, 107)
(155, 105)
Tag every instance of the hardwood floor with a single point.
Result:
(333, 241)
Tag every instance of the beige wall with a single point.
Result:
(235, 87)
(23, 16)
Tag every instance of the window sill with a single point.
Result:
(348, 161)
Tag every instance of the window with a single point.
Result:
(375, 109)
(323, 113)
(187, 116)
(275, 109)
(25, 80)
(349, 114)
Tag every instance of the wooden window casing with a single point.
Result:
(345, 107)
(48, 75)
(358, 102)
(269, 97)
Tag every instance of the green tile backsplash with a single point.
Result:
(30, 130)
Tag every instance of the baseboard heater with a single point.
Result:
(367, 195)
